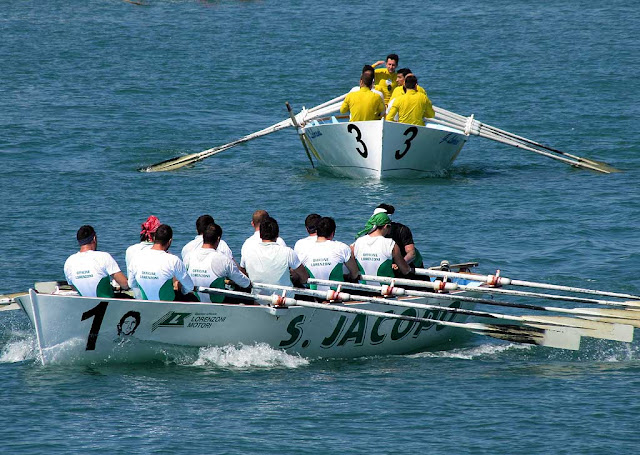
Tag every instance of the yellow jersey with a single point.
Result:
(385, 82)
(363, 105)
(399, 91)
(411, 108)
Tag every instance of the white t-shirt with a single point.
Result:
(197, 243)
(357, 89)
(206, 266)
(251, 243)
(133, 250)
(325, 261)
(90, 273)
(374, 256)
(152, 272)
(304, 244)
(269, 263)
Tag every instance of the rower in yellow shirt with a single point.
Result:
(411, 107)
(385, 78)
(363, 104)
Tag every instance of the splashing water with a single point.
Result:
(239, 357)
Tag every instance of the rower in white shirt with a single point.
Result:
(90, 271)
(201, 224)
(147, 233)
(310, 223)
(255, 240)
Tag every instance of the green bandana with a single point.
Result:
(376, 221)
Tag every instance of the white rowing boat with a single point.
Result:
(72, 329)
(382, 149)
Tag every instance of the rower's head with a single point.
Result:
(402, 73)
(269, 230)
(386, 208)
(392, 62)
(366, 80)
(311, 222)
(87, 239)
(410, 82)
(202, 222)
(258, 217)
(149, 227)
(211, 236)
(163, 238)
(326, 227)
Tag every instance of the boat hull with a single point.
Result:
(382, 149)
(74, 329)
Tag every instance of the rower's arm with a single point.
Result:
(121, 279)
(411, 253)
(399, 260)
(352, 266)
(300, 273)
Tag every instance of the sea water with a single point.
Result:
(91, 91)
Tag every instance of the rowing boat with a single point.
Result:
(382, 149)
(76, 329)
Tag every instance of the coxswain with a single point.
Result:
(158, 274)
(385, 78)
(376, 254)
(411, 107)
(328, 259)
(403, 237)
(90, 271)
(364, 104)
(254, 240)
(201, 224)
(271, 263)
(310, 224)
(209, 267)
(147, 234)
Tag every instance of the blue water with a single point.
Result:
(91, 91)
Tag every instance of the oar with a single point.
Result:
(300, 133)
(180, 161)
(562, 338)
(8, 301)
(626, 316)
(588, 328)
(497, 280)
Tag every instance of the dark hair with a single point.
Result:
(269, 229)
(404, 71)
(85, 234)
(367, 79)
(202, 222)
(212, 234)
(259, 216)
(164, 233)
(326, 226)
(366, 68)
(389, 208)
(393, 57)
(410, 82)
(311, 221)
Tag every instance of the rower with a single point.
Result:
(403, 237)
(385, 78)
(254, 240)
(411, 107)
(400, 89)
(310, 224)
(272, 263)
(364, 104)
(328, 259)
(90, 271)
(376, 254)
(147, 234)
(209, 267)
(368, 69)
(158, 274)
(201, 224)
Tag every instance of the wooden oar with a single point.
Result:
(562, 338)
(8, 301)
(624, 316)
(300, 133)
(588, 328)
(470, 126)
(181, 161)
(504, 281)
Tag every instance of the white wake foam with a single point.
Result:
(18, 351)
(469, 353)
(260, 355)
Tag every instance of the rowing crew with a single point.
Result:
(155, 274)
(387, 93)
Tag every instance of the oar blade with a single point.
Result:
(9, 306)
(551, 338)
(613, 331)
